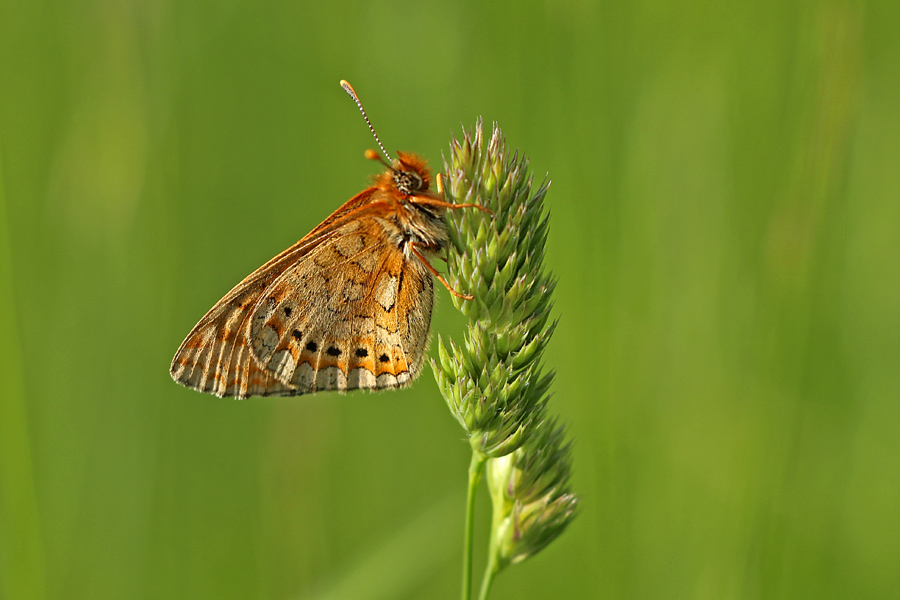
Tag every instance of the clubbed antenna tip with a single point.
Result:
(349, 89)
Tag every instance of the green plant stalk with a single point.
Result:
(489, 571)
(476, 468)
(493, 566)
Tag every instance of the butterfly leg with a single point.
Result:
(429, 201)
(440, 190)
(417, 254)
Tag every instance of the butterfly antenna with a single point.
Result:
(349, 89)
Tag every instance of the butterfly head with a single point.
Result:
(409, 174)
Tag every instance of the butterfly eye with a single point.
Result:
(408, 182)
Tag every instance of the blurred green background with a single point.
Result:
(725, 228)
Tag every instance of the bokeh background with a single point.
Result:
(725, 229)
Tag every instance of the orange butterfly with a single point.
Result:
(347, 307)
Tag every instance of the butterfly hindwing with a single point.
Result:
(353, 314)
(215, 357)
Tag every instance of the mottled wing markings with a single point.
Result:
(354, 313)
(215, 357)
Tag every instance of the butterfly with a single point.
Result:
(347, 307)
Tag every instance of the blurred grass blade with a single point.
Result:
(21, 550)
(404, 561)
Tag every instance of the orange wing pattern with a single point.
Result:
(342, 311)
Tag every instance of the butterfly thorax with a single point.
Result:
(411, 221)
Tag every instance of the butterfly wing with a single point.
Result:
(352, 314)
(341, 310)
(215, 356)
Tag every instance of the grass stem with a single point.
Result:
(476, 468)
